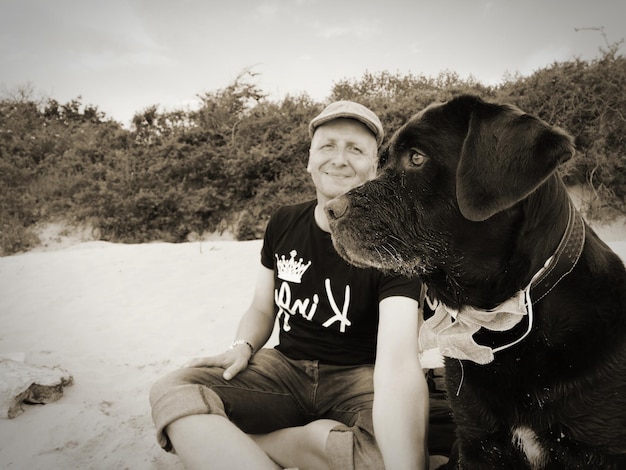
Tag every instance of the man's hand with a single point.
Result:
(234, 361)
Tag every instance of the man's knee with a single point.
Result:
(162, 386)
(353, 447)
(168, 383)
(177, 395)
(181, 379)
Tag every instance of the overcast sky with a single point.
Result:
(126, 55)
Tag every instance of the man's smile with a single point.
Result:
(337, 175)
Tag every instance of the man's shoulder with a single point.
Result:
(290, 217)
(294, 210)
(298, 207)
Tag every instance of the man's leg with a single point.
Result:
(303, 447)
(195, 408)
(203, 441)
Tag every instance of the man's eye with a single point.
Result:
(417, 157)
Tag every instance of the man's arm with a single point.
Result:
(255, 328)
(257, 323)
(400, 410)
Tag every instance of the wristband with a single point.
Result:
(237, 342)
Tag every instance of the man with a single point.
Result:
(345, 332)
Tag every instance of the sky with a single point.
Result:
(124, 56)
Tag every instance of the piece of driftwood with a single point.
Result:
(27, 383)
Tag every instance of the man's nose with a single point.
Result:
(340, 156)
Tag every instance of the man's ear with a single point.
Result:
(506, 155)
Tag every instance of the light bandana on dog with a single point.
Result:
(451, 330)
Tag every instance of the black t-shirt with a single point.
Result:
(327, 309)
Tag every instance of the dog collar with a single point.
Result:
(564, 259)
(452, 330)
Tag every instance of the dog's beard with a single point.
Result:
(383, 228)
(384, 255)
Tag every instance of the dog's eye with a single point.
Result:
(417, 157)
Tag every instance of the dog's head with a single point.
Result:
(448, 189)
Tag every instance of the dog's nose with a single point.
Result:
(336, 208)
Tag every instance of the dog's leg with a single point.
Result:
(484, 440)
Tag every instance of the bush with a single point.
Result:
(231, 163)
(588, 101)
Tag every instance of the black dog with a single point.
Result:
(470, 201)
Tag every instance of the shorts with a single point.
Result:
(275, 392)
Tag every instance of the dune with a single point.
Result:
(117, 317)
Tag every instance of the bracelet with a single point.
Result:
(237, 342)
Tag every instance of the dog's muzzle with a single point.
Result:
(336, 208)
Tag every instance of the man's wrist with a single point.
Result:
(238, 342)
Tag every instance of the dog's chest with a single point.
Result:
(525, 439)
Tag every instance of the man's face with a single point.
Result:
(343, 155)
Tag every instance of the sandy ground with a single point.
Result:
(117, 317)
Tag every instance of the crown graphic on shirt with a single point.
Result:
(290, 269)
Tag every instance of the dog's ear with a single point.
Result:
(506, 155)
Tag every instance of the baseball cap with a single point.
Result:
(352, 110)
